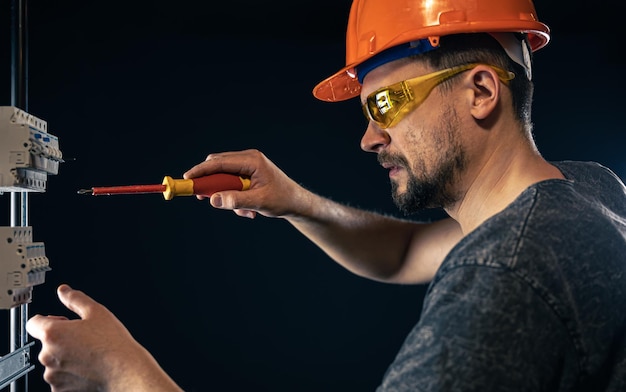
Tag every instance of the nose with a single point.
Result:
(374, 138)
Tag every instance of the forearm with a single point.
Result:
(375, 246)
(139, 371)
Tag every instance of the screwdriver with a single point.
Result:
(170, 187)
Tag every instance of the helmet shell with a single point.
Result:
(376, 25)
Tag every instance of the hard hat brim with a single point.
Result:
(344, 84)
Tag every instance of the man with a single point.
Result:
(527, 284)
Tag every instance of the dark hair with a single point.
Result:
(483, 48)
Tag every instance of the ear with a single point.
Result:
(485, 89)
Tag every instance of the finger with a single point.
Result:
(230, 200)
(37, 325)
(76, 301)
(57, 317)
(34, 326)
(47, 359)
(217, 201)
(245, 213)
(210, 165)
(235, 162)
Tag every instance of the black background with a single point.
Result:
(136, 90)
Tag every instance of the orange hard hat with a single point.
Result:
(377, 25)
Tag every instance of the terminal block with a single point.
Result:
(23, 264)
(28, 153)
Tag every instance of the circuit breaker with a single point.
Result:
(24, 265)
(28, 153)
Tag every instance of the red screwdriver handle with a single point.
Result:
(208, 185)
(204, 186)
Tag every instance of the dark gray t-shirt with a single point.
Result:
(532, 300)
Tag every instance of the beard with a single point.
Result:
(431, 188)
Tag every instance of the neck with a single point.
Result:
(503, 173)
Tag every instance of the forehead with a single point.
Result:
(390, 73)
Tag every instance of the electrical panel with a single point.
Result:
(28, 153)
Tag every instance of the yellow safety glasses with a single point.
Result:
(388, 105)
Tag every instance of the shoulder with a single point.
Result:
(596, 183)
(552, 217)
(552, 236)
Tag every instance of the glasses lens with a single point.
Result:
(384, 105)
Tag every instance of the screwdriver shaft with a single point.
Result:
(127, 189)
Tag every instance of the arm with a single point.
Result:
(368, 244)
(95, 352)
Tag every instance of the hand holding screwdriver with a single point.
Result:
(170, 187)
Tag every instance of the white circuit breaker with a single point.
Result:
(28, 153)
(24, 265)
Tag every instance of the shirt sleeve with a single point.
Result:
(482, 328)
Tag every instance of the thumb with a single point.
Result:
(75, 300)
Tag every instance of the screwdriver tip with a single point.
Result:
(84, 191)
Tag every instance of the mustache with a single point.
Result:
(386, 158)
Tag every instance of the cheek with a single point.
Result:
(418, 142)
(426, 144)
(416, 148)
(426, 134)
